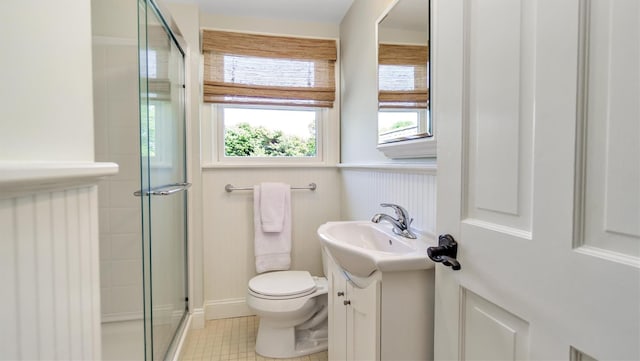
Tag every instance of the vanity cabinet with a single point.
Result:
(387, 316)
(354, 322)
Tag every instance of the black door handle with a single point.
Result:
(445, 252)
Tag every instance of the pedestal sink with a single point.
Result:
(362, 247)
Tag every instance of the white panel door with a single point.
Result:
(538, 111)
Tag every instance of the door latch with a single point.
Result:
(445, 252)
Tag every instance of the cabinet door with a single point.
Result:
(363, 326)
(337, 315)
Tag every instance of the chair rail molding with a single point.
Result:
(19, 178)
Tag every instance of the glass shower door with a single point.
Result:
(163, 189)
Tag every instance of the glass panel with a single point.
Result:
(163, 163)
(144, 172)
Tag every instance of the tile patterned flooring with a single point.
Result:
(230, 339)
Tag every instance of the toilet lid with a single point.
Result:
(283, 283)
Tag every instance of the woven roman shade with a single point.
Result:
(156, 63)
(268, 70)
(403, 76)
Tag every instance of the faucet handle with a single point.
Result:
(401, 213)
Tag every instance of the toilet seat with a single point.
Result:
(282, 285)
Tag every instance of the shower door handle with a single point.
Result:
(165, 190)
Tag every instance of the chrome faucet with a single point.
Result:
(401, 224)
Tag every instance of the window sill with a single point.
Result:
(255, 165)
(416, 148)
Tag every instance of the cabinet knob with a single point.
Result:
(346, 302)
(340, 293)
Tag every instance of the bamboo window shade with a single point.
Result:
(156, 64)
(403, 76)
(254, 69)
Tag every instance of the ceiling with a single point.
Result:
(325, 11)
(408, 15)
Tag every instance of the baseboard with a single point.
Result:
(226, 308)
(197, 318)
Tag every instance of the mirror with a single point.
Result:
(403, 73)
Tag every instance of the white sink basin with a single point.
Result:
(362, 247)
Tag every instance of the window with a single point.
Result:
(394, 125)
(270, 95)
(260, 132)
(159, 135)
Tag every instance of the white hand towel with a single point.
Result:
(272, 249)
(273, 197)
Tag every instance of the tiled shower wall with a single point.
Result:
(116, 140)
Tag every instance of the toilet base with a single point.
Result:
(287, 342)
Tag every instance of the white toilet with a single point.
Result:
(292, 306)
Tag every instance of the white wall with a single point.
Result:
(368, 177)
(359, 118)
(228, 217)
(46, 81)
(229, 260)
(48, 207)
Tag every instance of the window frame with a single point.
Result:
(323, 118)
(423, 123)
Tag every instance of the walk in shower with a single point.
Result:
(139, 114)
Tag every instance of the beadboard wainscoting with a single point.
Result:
(49, 260)
(229, 261)
(364, 187)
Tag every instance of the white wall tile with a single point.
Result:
(124, 140)
(105, 300)
(124, 300)
(117, 140)
(125, 220)
(126, 246)
(105, 246)
(103, 193)
(129, 167)
(121, 194)
(103, 217)
(126, 273)
(105, 274)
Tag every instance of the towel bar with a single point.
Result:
(165, 190)
(231, 188)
